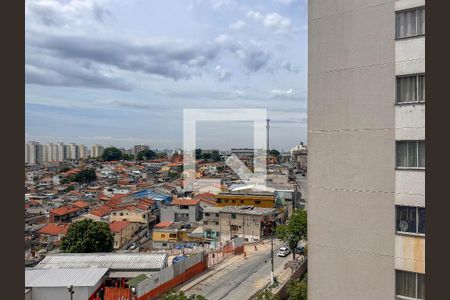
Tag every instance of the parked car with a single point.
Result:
(283, 251)
(134, 246)
(300, 250)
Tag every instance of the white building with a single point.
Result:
(97, 150)
(34, 153)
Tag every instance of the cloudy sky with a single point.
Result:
(120, 72)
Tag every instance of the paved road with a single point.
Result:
(302, 182)
(244, 277)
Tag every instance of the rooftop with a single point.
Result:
(118, 226)
(63, 277)
(64, 210)
(54, 229)
(114, 261)
(248, 210)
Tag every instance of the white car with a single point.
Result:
(283, 251)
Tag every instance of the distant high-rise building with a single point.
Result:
(83, 151)
(97, 150)
(139, 148)
(73, 151)
(34, 153)
(61, 152)
(366, 150)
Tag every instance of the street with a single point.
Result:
(303, 183)
(240, 278)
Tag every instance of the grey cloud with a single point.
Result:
(72, 77)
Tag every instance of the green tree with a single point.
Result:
(88, 236)
(70, 188)
(274, 152)
(297, 289)
(215, 155)
(146, 154)
(294, 231)
(198, 153)
(266, 294)
(111, 153)
(84, 176)
(172, 295)
(127, 156)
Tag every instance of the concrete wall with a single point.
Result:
(351, 140)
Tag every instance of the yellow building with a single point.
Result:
(266, 200)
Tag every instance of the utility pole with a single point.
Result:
(267, 132)
(272, 275)
(71, 291)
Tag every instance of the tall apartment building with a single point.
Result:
(366, 132)
(34, 152)
(97, 150)
(83, 151)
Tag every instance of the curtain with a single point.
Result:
(406, 89)
(421, 154)
(412, 154)
(421, 83)
(405, 284)
(402, 154)
(420, 286)
(421, 21)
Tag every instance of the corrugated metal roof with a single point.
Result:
(114, 261)
(63, 277)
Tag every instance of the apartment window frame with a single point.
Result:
(417, 221)
(416, 286)
(417, 81)
(416, 167)
(416, 17)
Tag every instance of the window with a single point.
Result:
(411, 88)
(233, 216)
(163, 235)
(410, 154)
(205, 222)
(217, 223)
(409, 23)
(410, 219)
(257, 202)
(207, 214)
(409, 284)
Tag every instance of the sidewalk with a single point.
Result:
(222, 265)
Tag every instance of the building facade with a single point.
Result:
(366, 103)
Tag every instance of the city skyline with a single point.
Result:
(129, 83)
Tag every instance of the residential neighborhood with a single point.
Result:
(150, 215)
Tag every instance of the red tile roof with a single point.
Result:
(118, 226)
(163, 224)
(64, 210)
(54, 229)
(81, 204)
(185, 201)
(101, 211)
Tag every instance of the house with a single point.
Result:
(122, 231)
(52, 233)
(166, 235)
(181, 210)
(64, 213)
(251, 223)
(211, 225)
(82, 205)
